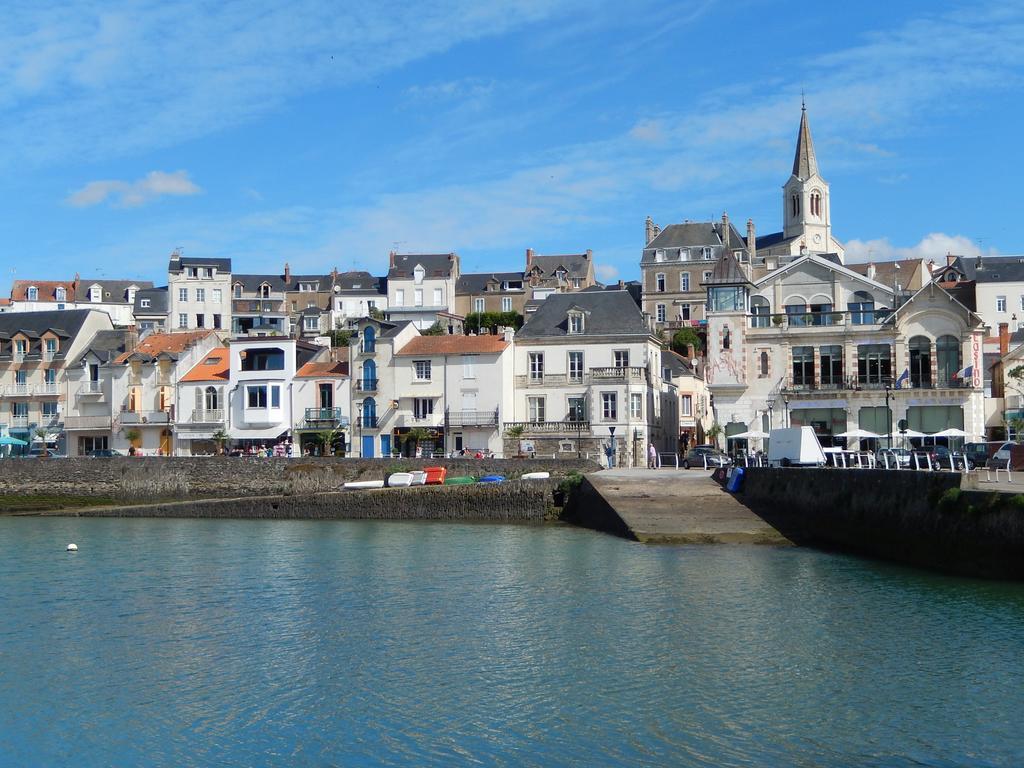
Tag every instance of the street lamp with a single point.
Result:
(887, 383)
(771, 407)
(785, 402)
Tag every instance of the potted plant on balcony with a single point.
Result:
(776, 320)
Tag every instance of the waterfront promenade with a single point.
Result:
(676, 506)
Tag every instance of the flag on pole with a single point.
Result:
(903, 379)
(964, 373)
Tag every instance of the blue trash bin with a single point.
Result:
(735, 480)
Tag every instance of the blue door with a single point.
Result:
(385, 445)
(368, 446)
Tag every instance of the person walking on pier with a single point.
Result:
(652, 457)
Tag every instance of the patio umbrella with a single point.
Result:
(7, 440)
(911, 433)
(754, 434)
(951, 432)
(858, 433)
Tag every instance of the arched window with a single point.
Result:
(369, 383)
(816, 203)
(760, 311)
(726, 338)
(763, 363)
(264, 291)
(794, 201)
(32, 294)
(238, 290)
(369, 412)
(369, 340)
(862, 308)
(920, 349)
(211, 400)
(947, 354)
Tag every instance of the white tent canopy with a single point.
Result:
(858, 433)
(951, 432)
(753, 434)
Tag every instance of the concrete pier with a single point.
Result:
(668, 506)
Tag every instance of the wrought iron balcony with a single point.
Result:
(472, 418)
(87, 422)
(367, 422)
(366, 385)
(325, 417)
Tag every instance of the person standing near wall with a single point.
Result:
(652, 456)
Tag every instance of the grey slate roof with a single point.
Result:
(65, 323)
(676, 363)
(993, 269)
(176, 264)
(251, 283)
(157, 301)
(114, 291)
(435, 264)
(106, 345)
(608, 313)
(476, 282)
(693, 234)
(727, 271)
(805, 164)
(775, 238)
(575, 264)
(361, 281)
(386, 333)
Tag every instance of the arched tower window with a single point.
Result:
(816, 204)
(920, 349)
(795, 203)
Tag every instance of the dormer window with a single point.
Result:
(659, 255)
(418, 273)
(95, 294)
(144, 303)
(32, 294)
(576, 323)
(131, 295)
(265, 291)
(238, 290)
(684, 254)
(706, 253)
(192, 271)
(61, 294)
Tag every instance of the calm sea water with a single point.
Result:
(192, 642)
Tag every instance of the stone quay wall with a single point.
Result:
(917, 518)
(516, 501)
(173, 478)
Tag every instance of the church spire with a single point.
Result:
(805, 164)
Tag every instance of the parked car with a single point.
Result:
(696, 455)
(38, 452)
(103, 453)
(1002, 454)
(978, 454)
(896, 457)
(940, 457)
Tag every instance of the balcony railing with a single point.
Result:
(819, 319)
(606, 375)
(368, 349)
(325, 417)
(91, 388)
(549, 427)
(145, 417)
(19, 357)
(618, 374)
(369, 422)
(473, 418)
(366, 385)
(49, 355)
(854, 383)
(48, 388)
(257, 307)
(19, 421)
(207, 416)
(18, 390)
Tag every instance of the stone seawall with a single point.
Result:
(524, 501)
(155, 478)
(918, 518)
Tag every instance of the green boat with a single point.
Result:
(459, 480)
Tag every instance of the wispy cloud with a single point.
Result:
(467, 89)
(131, 194)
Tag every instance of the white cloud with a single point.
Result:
(607, 273)
(651, 131)
(468, 89)
(932, 246)
(135, 193)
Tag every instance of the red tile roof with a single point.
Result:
(454, 345)
(47, 289)
(317, 369)
(173, 343)
(213, 367)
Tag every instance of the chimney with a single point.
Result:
(287, 273)
(589, 254)
(1004, 338)
(751, 239)
(931, 266)
(529, 259)
(950, 258)
(391, 260)
(622, 284)
(871, 270)
(725, 229)
(334, 277)
(649, 233)
(510, 334)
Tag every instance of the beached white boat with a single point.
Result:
(400, 480)
(360, 485)
(535, 476)
(419, 478)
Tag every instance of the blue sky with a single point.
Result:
(325, 134)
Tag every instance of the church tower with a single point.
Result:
(806, 212)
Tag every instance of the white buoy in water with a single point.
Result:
(72, 547)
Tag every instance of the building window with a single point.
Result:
(726, 338)
(575, 366)
(576, 410)
(417, 297)
(400, 297)
(208, 272)
(803, 366)
(659, 312)
(686, 405)
(62, 295)
(621, 357)
(659, 255)
(32, 293)
(438, 300)
(831, 365)
(478, 305)
(275, 397)
(706, 254)
(144, 303)
(576, 323)
(506, 303)
(51, 348)
(311, 323)
(760, 311)
(192, 271)
(536, 407)
(794, 204)
(422, 370)
(216, 321)
(468, 367)
(862, 309)
(50, 410)
(1000, 303)
(816, 204)
(659, 282)
(684, 312)
(200, 321)
(95, 294)
(21, 377)
(577, 282)
(684, 281)
(418, 273)
(256, 397)
(267, 359)
(874, 363)
(536, 366)
(238, 290)
(609, 406)
(947, 355)
(920, 349)
(264, 291)
(706, 277)
(217, 295)
(183, 294)
(636, 406)
(182, 320)
(422, 407)
(200, 294)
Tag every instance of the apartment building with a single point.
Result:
(198, 293)
(115, 297)
(420, 286)
(588, 375)
(35, 351)
(491, 292)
